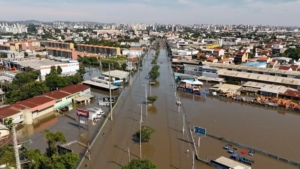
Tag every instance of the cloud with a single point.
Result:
(273, 12)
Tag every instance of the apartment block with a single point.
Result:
(102, 50)
(70, 54)
(61, 45)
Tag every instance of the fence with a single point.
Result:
(100, 130)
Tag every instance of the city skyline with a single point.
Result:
(255, 12)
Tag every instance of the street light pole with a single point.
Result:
(18, 164)
(141, 120)
(146, 99)
(111, 115)
(183, 122)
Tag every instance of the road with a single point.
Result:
(168, 146)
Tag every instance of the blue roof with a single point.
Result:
(256, 64)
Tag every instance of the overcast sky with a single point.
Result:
(265, 12)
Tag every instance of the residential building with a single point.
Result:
(276, 49)
(133, 52)
(241, 57)
(103, 50)
(70, 54)
(60, 45)
(219, 52)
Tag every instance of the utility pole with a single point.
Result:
(150, 89)
(194, 160)
(100, 64)
(183, 122)
(128, 154)
(18, 164)
(111, 115)
(146, 99)
(199, 141)
(141, 120)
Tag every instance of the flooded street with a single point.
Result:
(274, 131)
(269, 130)
(265, 129)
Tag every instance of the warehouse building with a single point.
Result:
(244, 77)
(26, 111)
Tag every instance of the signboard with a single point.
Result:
(83, 113)
(200, 131)
(83, 118)
(62, 150)
(107, 99)
(83, 122)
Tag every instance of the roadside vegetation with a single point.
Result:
(115, 62)
(152, 98)
(27, 84)
(154, 73)
(146, 132)
(35, 159)
(140, 164)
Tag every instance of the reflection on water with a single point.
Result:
(152, 110)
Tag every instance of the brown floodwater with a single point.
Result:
(270, 130)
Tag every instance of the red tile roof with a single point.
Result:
(57, 94)
(294, 66)
(240, 53)
(262, 59)
(291, 93)
(211, 59)
(217, 50)
(74, 88)
(284, 68)
(224, 60)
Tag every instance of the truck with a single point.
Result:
(95, 113)
(246, 161)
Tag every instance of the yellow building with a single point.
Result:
(212, 46)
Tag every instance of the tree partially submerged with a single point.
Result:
(146, 133)
(140, 164)
(152, 98)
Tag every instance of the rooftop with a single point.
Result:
(75, 88)
(36, 64)
(231, 163)
(117, 73)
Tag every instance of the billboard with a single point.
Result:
(200, 131)
(83, 113)
(107, 99)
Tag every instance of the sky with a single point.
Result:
(265, 12)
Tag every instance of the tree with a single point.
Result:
(154, 74)
(25, 54)
(146, 133)
(140, 164)
(7, 156)
(53, 70)
(124, 66)
(59, 70)
(38, 55)
(152, 98)
(81, 71)
(52, 139)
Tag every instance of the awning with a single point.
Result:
(63, 105)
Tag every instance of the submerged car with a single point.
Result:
(227, 146)
(231, 151)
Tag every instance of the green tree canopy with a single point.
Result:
(152, 98)
(140, 164)
(59, 70)
(124, 66)
(146, 133)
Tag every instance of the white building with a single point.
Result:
(133, 52)
(15, 28)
